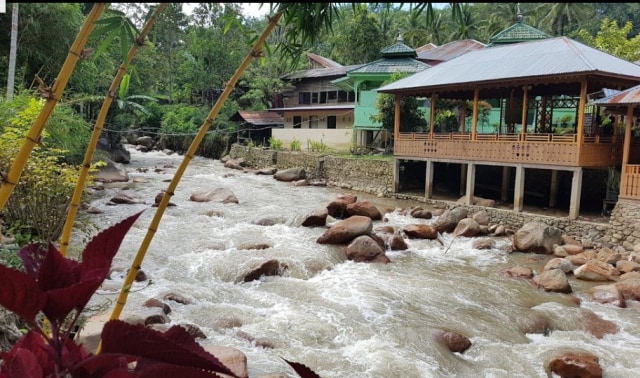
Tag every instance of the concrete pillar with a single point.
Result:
(396, 175)
(463, 179)
(553, 192)
(518, 191)
(471, 183)
(576, 189)
(428, 182)
(506, 178)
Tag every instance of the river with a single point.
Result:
(340, 318)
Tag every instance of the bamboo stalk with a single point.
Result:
(53, 96)
(136, 265)
(97, 130)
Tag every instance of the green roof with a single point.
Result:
(518, 32)
(389, 66)
(398, 49)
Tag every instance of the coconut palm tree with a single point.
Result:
(562, 17)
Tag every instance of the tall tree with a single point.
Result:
(13, 52)
(362, 39)
(562, 18)
(614, 39)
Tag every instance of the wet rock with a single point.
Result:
(317, 218)
(232, 358)
(346, 230)
(448, 221)
(397, 243)
(268, 268)
(572, 365)
(421, 231)
(364, 208)
(518, 272)
(214, 195)
(291, 174)
(365, 249)
(536, 237)
(553, 280)
(455, 342)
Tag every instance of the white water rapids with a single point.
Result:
(344, 319)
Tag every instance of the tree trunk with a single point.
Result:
(13, 52)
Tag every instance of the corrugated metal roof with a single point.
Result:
(320, 108)
(518, 32)
(261, 118)
(325, 62)
(629, 96)
(546, 57)
(426, 47)
(450, 50)
(318, 73)
(390, 65)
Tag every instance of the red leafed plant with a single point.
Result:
(58, 289)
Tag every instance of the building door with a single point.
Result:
(297, 121)
(331, 122)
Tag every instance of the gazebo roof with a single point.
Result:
(542, 61)
(518, 32)
(395, 58)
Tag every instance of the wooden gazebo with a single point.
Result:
(541, 75)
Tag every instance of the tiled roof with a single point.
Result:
(426, 47)
(387, 66)
(398, 49)
(518, 32)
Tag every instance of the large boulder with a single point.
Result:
(536, 237)
(570, 365)
(344, 231)
(112, 172)
(291, 174)
(365, 208)
(448, 221)
(365, 249)
(214, 195)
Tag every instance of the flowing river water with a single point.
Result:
(340, 318)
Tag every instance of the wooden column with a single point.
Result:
(474, 125)
(396, 118)
(626, 149)
(525, 91)
(432, 116)
(581, 106)
(553, 190)
(471, 183)
(576, 188)
(428, 182)
(518, 191)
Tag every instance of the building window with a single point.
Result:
(323, 97)
(304, 98)
(297, 121)
(314, 97)
(331, 122)
(333, 95)
(313, 122)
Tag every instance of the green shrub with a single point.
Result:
(38, 206)
(317, 146)
(294, 145)
(275, 144)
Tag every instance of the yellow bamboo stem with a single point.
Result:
(137, 262)
(53, 95)
(97, 130)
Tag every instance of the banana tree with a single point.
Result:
(97, 130)
(52, 95)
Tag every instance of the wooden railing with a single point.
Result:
(630, 182)
(544, 149)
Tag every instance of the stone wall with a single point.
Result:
(376, 177)
(624, 229)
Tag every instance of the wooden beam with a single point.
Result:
(396, 118)
(432, 116)
(474, 125)
(581, 106)
(627, 136)
(525, 89)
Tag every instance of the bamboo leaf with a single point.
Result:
(124, 87)
(123, 43)
(105, 43)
